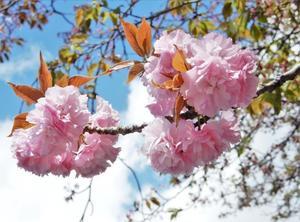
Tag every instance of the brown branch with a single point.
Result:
(289, 75)
(191, 114)
(116, 130)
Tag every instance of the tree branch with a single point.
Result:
(289, 75)
(116, 130)
(167, 10)
(9, 5)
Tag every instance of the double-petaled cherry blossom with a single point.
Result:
(96, 153)
(55, 144)
(179, 149)
(221, 74)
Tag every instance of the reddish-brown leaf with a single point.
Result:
(168, 84)
(63, 81)
(171, 84)
(179, 104)
(177, 81)
(27, 93)
(144, 37)
(79, 80)
(135, 70)
(131, 32)
(45, 77)
(20, 123)
(118, 66)
(179, 62)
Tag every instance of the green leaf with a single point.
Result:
(91, 69)
(174, 212)
(78, 38)
(148, 204)
(79, 16)
(105, 15)
(240, 150)
(262, 18)
(227, 10)
(274, 99)
(291, 90)
(113, 18)
(174, 181)
(155, 201)
(255, 32)
(240, 5)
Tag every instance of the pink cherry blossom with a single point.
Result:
(213, 45)
(215, 137)
(97, 152)
(242, 66)
(221, 77)
(62, 108)
(170, 148)
(221, 74)
(52, 144)
(208, 87)
(159, 69)
(178, 150)
(58, 120)
(177, 37)
(38, 149)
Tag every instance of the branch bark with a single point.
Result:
(116, 130)
(289, 75)
(190, 114)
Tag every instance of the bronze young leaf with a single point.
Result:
(45, 77)
(179, 104)
(144, 37)
(20, 122)
(63, 81)
(79, 80)
(135, 70)
(118, 66)
(131, 33)
(27, 93)
(179, 62)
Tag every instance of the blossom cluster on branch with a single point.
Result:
(209, 76)
(55, 143)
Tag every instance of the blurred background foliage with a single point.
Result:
(95, 41)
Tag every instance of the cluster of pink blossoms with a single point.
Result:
(221, 74)
(220, 77)
(179, 149)
(55, 143)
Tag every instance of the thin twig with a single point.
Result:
(88, 202)
(135, 177)
(9, 5)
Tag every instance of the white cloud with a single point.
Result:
(20, 64)
(138, 98)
